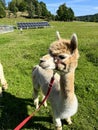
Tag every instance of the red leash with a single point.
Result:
(30, 116)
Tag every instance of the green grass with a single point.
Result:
(20, 52)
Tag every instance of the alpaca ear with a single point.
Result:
(74, 42)
(58, 35)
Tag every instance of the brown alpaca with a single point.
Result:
(65, 54)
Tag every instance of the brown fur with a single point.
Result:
(65, 53)
(68, 47)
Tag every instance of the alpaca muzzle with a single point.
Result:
(59, 63)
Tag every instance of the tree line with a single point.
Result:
(36, 9)
(88, 18)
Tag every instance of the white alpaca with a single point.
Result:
(63, 107)
(41, 76)
(2, 80)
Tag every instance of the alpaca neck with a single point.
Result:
(67, 84)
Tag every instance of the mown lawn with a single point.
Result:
(20, 52)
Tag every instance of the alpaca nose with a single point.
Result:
(57, 62)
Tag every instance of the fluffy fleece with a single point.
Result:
(65, 54)
(3, 81)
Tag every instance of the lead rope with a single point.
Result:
(30, 116)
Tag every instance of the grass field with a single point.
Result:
(20, 52)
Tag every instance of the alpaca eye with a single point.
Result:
(62, 57)
(41, 61)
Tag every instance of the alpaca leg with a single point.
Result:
(4, 84)
(2, 78)
(0, 92)
(69, 120)
(57, 123)
(36, 99)
(45, 103)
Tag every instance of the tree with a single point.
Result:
(2, 11)
(2, 2)
(64, 13)
(12, 7)
(31, 9)
(38, 10)
(70, 14)
(44, 9)
(22, 6)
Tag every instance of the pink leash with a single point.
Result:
(30, 116)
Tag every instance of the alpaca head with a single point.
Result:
(65, 53)
(47, 62)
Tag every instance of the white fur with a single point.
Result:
(62, 107)
(2, 80)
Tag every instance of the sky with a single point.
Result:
(80, 7)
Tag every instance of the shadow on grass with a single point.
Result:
(13, 110)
